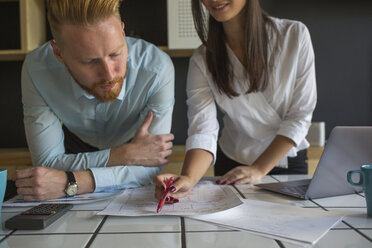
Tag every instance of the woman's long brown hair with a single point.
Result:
(256, 47)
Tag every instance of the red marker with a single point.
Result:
(162, 200)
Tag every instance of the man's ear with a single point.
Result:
(56, 51)
(123, 26)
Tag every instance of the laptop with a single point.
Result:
(347, 149)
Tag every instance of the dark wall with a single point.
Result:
(341, 34)
(11, 124)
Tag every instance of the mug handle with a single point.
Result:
(361, 179)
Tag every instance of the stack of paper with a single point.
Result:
(287, 223)
(221, 205)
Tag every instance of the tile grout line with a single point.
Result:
(276, 179)
(7, 235)
(183, 233)
(213, 231)
(318, 205)
(147, 232)
(359, 232)
(96, 232)
(279, 243)
(360, 195)
(49, 234)
(347, 207)
(240, 193)
(356, 230)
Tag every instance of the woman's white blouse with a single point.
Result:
(251, 121)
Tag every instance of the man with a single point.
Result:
(93, 100)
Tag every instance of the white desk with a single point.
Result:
(82, 228)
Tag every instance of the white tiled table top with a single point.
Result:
(80, 227)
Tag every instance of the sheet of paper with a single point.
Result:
(17, 201)
(206, 197)
(283, 222)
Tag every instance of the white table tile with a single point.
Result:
(279, 198)
(341, 225)
(344, 201)
(356, 217)
(227, 239)
(197, 226)
(142, 240)
(339, 238)
(14, 209)
(71, 222)
(5, 217)
(50, 241)
(368, 233)
(142, 224)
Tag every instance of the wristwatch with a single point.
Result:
(71, 187)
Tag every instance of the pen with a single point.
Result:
(162, 200)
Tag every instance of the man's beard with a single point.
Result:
(108, 95)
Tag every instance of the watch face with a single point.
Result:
(72, 189)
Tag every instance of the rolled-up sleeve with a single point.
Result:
(298, 117)
(161, 100)
(201, 113)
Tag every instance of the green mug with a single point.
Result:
(2, 186)
(365, 181)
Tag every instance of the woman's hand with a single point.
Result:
(181, 187)
(242, 174)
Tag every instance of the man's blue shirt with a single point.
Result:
(51, 97)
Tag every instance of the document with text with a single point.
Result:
(206, 197)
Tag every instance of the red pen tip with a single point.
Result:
(166, 190)
(160, 205)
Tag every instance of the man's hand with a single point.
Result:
(242, 174)
(145, 149)
(40, 183)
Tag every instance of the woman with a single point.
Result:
(260, 72)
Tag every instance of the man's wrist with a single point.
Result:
(85, 180)
(121, 155)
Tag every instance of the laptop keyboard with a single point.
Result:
(297, 190)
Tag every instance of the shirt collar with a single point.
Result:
(77, 90)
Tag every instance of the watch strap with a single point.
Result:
(70, 177)
(71, 187)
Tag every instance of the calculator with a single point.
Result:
(38, 217)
